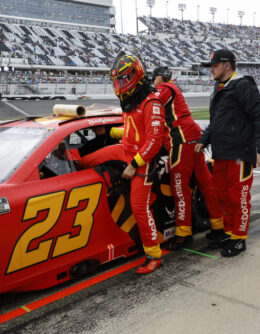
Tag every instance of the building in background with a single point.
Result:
(68, 46)
(94, 15)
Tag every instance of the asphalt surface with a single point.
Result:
(20, 109)
(196, 291)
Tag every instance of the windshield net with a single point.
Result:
(16, 144)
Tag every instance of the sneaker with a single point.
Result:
(214, 234)
(234, 247)
(178, 242)
(149, 265)
(220, 242)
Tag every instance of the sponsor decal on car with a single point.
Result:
(168, 233)
(170, 213)
(4, 205)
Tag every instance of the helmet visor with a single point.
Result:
(122, 81)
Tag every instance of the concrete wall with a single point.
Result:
(81, 89)
(59, 89)
(78, 89)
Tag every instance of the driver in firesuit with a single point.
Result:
(180, 140)
(142, 137)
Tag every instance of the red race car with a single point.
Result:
(57, 222)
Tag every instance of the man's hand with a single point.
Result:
(199, 147)
(258, 160)
(129, 172)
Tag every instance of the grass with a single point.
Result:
(200, 113)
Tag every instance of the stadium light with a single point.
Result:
(240, 14)
(213, 11)
(150, 3)
(254, 19)
(181, 7)
(198, 12)
(227, 14)
(167, 3)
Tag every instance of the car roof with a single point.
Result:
(96, 115)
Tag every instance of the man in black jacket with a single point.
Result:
(234, 135)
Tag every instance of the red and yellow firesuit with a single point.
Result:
(180, 140)
(142, 139)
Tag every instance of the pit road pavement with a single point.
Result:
(196, 291)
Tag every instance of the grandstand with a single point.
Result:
(53, 45)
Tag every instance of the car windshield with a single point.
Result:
(16, 144)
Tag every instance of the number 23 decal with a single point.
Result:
(22, 258)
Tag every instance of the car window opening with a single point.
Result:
(63, 159)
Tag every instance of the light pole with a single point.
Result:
(167, 3)
(198, 12)
(227, 14)
(150, 3)
(181, 7)
(254, 19)
(240, 14)
(213, 11)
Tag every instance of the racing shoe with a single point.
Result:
(214, 234)
(234, 247)
(220, 241)
(178, 242)
(149, 265)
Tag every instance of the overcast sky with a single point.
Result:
(226, 10)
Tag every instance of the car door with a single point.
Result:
(62, 218)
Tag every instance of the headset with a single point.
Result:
(166, 74)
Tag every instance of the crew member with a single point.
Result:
(142, 138)
(180, 140)
(234, 135)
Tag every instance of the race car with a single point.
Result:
(58, 222)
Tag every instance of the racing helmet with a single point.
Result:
(127, 74)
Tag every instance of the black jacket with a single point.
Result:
(234, 129)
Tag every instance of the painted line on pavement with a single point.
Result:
(203, 254)
(16, 108)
